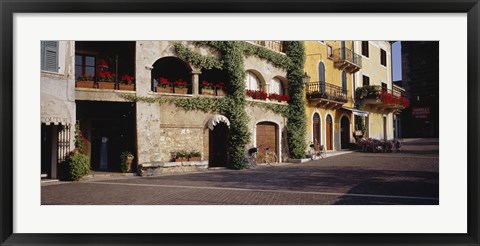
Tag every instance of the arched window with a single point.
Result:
(344, 82)
(321, 76)
(276, 86)
(251, 81)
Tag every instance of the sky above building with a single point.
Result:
(397, 60)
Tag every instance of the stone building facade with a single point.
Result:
(113, 119)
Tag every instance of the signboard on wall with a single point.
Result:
(421, 113)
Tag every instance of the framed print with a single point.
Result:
(207, 122)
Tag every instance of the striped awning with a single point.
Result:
(357, 112)
(215, 119)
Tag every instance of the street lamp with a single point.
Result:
(306, 78)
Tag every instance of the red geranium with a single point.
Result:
(255, 94)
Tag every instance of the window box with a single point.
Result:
(197, 158)
(180, 90)
(164, 89)
(181, 159)
(85, 84)
(221, 93)
(125, 87)
(106, 85)
(207, 92)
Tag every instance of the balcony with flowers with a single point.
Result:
(326, 95)
(104, 68)
(381, 99)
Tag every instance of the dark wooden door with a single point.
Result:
(329, 132)
(316, 131)
(345, 132)
(266, 137)
(218, 156)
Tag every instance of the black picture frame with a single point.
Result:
(10, 7)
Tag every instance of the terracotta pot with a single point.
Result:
(162, 89)
(129, 162)
(221, 93)
(181, 159)
(125, 87)
(208, 92)
(85, 84)
(106, 85)
(180, 90)
(194, 158)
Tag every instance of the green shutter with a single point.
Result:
(50, 56)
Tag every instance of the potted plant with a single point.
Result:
(181, 156)
(207, 88)
(221, 89)
(106, 80)
(163, 86)
(85, 81)
(127, 83)
(180, 87)
(127, 158)
(195, 156)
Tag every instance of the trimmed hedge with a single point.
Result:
(78, 165)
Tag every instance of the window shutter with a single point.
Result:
(50, 56)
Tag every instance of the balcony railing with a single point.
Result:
(322, 90)
(278, 46)
(345, 58)
(377, 96)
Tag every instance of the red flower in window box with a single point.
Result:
(256, 94)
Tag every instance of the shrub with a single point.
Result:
(78, 165)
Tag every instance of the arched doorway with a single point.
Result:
(218, 145)
(267, 137)
(329, 132)
(316, 130)
(344, 132)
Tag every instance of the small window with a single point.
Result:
(329, 51)
(383, 57)
(84, 65)
(276, 87)
(365, 48)
(384, 87)
(366, 80)
(252, 82)
(49, 58)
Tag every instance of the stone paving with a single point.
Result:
(407, 177)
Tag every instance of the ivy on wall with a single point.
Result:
(197, 59)
(275, 108)
(296, 124)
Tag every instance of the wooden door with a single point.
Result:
(266, 137)
(316, 131)
(329, 132)
(218, 156)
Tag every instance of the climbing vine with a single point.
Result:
(296, 124)
(275, 108)
(275, 58)
(197, 59)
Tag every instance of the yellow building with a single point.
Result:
(329, 92)
(375, 92)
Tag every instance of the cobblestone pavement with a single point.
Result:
(407, 177)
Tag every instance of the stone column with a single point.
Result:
(195, 78)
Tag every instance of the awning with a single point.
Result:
(54, 111)
(357, 112)
(215, 119)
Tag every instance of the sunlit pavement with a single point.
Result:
(406, 177)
